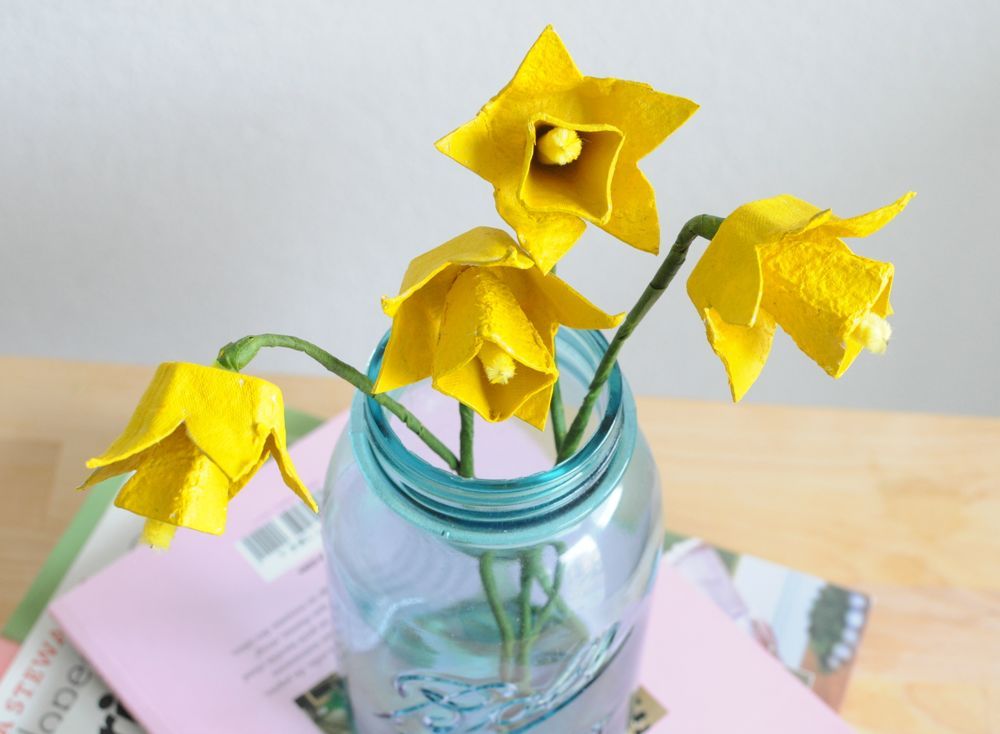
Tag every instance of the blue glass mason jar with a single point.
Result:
(505, 604)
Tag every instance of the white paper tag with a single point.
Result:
(283, 543)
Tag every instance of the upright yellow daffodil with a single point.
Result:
(197, 437)
(560, 148)
(480, 318)
(781, 261)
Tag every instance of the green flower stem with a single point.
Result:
(557, 410)
(703, 225)
(489, 581)
(551, 592)
(533, 620)
(466, 463)
(527, 630)
(237, 355)
(558, 415)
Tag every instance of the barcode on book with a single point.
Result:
(282, 543)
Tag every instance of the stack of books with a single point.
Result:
(233, 633)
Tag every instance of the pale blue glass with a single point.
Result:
(416, 635)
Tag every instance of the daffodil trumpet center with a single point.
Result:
(873, 333)
(569, 168)
(499, 366)
(558, 146)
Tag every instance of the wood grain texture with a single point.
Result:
(903, 506)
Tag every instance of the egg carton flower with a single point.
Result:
(196, 438)
(561, 149)
(479, 317)
(782, 262)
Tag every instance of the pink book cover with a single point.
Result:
(233, 634)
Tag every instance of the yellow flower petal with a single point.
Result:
(866, 224)
(565, 305)
(728, 276)
(634, 218)
(535, 410)
(418, 309)
(409, 354)
(547, 66)
(176, 483)
(546, 236)
(237, 485)
(111, 470)
(484, 246)
(648, 116)
(742, 349)
(276, 446)
(228, 415)
(820, 291)
(619, 123)
(481, 309)
(147, 427)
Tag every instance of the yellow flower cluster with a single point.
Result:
(561, 149)
(479, 314)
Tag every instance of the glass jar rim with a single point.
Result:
(445, 502)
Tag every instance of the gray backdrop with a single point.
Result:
(177, 174)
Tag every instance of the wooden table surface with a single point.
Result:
(903, 506)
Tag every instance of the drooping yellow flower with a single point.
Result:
(560, 148)
(196, 438)
(781, 261)
(480, 318)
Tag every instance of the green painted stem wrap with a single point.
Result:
(237, 355)
(704, 225)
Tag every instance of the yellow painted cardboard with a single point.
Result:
(464, 305)
(781, 261)
(547, 205)
(196, 438)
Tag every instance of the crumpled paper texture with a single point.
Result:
(196, 438)
(619, 121)
(780, 261)
(475, 290)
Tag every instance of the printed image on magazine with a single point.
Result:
(812, 626)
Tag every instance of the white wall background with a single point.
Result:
(177, 174)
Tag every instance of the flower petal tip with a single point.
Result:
(309, 501)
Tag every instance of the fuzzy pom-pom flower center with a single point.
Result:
(558, 146)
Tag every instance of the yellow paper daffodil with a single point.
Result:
(560, 148)
(197, 437)
(781, 261)
(480, 318)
